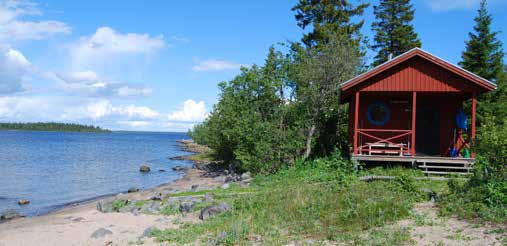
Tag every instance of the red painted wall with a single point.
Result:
(418, 75)
(400, 105)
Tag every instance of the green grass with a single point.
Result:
(320, 200)
(117, 205)
(482, 198)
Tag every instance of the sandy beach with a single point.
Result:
(83, 224)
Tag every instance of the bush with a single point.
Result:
(483, 196)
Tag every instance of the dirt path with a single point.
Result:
(427, 228)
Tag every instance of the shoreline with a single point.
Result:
(184, 144)
(89, 224)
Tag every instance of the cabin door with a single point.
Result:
(427, 140)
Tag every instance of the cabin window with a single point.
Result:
(378, 113)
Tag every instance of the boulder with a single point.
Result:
(226, 186)
(128, 209)
(161, 170)
(9, 215)
(220, 178)
(144, 168)
(157, 197)
(101, 232)
(210, 211)
(151, 207)
(23, 202)
(133, 189)
(186, 207)
(105, 206)
(194, 187)
(147, 232)
(178, 168)
(246, 176)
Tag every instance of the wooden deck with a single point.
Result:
(429, 164)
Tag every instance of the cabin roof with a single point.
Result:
(467, 75)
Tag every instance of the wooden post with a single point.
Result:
(474, 108)
(356, 120)
(414, 106)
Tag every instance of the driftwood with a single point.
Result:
(374, 178)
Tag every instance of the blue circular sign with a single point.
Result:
(378, 113)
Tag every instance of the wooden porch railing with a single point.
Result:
(385, 145)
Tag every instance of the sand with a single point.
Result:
(85, 225)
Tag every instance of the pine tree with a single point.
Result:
(394, 34)
(484, 54)
(328, 17)
(484, 57)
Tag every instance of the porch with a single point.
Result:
(410, 109)
(429, 134)
(428, 164)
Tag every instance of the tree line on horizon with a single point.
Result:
(51, 126)
(271, 115)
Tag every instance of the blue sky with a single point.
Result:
(129, 65)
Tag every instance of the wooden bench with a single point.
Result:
(385, 148)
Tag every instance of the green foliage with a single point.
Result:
(320, 199)
(394, 33)
(484, 196)
(328, 18)
(253, 125)
(269, 116)
(51, 126)
(118, 204)
(491, 142)
(484, 54)
(484, 57)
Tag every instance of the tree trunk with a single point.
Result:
(309, 141)
(312, 129)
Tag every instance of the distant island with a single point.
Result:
(51, 126)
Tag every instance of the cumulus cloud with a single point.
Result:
(12, 27)
(14, 68)
(106, 44)
(215, 65)
(104, 108)
(191, 111)
(46, 108)
(134, 123)
(88, 83)
(99, 112)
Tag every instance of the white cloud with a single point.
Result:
(37, 108)
(215, 65)
(191, 111)
(136, 112)
(13, 28)
(88, 83)
(134, 123)
(98, 112)
(14, 68)
(106, 44)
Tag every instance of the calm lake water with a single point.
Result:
(52, 169)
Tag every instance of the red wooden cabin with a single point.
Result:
(405, 110)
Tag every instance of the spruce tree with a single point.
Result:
(394, 33)
(484, 57)
(484, 54)
(328, 18)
